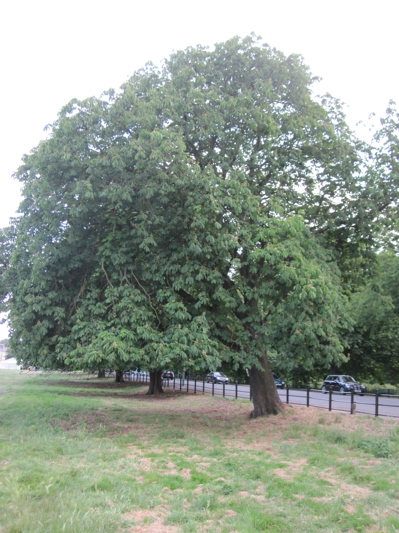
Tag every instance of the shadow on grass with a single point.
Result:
(135, 410)
(138, 391)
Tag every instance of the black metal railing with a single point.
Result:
(376, 403)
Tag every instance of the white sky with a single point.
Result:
(53, 51)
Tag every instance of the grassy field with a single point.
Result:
(86, 455)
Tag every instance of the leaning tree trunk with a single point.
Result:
(119, 376)
(264, 392)
(155, 382)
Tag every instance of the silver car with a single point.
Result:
(216, 377)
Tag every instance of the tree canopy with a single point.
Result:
(211, 210)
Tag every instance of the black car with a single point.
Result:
(217, 377)
(342, 384)
(280, 384)
(168, 374)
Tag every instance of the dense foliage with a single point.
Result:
(212, 210)
(374, 340)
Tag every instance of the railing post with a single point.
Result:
(213, 388)
(236, 390)
(180, 383)
(330, 399)
(287, 394)
(203, 386)
(188, 383)
(224, 385)
(307, 396)
(195, 386)
(352, 402)
(377, 393)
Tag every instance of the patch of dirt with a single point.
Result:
(291, 470)
(354, 492)
(144, 464)
(149, 521)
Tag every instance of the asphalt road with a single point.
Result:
(368, 404)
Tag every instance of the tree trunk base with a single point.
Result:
(155, 382)
(119, 376)
(264, 392)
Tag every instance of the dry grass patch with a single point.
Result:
(149, 521)
(292, 469)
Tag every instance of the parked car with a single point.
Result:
(168, 374)
(280, 384)
(138, 374)
(217, 377)
(343, 384)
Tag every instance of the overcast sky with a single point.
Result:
(53, 51)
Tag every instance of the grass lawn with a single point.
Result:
(87, 455)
